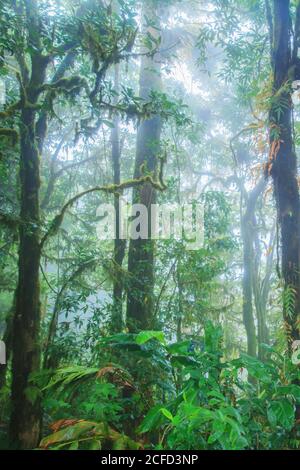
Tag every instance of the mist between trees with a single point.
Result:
(181, 223)
(149, 224)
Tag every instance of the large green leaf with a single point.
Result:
(167, 413)
(281, 413)
(145, 336)
(152, 420)
(179, 348)
(255, 367)
(291, 389)
(88, 432)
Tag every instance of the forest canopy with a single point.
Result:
(149, 224)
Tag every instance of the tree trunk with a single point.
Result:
(248, 317)
(282, 162)
(119, 244)
(180, 305)
(25, 419)
(247, 230)
(261, 289)
(141, 251)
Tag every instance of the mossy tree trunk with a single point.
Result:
(247, 229)
(26, 413)
(261, 290)
(282, 164)
(119, 243)
(141, 251)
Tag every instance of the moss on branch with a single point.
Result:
(65, 85)
(12, 134)
(9, 221)
(113, 188)
(10, 110)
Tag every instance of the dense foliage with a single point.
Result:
(142, 343)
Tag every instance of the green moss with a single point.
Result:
(12, 134)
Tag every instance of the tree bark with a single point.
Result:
(283, 162)
(261, 289)
(141, 251)
(119, 243)
(25, 419)
(247, 229)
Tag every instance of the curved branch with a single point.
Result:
(10, 133)
(58, 219)
(53, 322)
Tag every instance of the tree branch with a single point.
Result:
(269, 18)
(57, 221)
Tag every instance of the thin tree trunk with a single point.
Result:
(119, 244)
(180, 305)
(49, 360)
(261, 289)
(247, 230)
